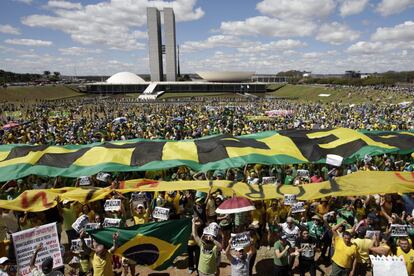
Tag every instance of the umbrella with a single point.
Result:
(236, 204)
(10, 125)
(119, 120)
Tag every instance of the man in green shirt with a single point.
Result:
(281, 259)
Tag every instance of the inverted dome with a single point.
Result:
(125, 78)
(225, 75)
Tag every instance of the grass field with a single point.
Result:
(33, 93)
(311, 94)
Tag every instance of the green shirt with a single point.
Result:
(207, 263)
(283, 261)
(288, 180)
(315, 231)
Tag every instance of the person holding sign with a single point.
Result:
(404, 249)
(46, 267)
(344, 259)
(240, 263)
(140, 214)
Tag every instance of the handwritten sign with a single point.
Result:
(240, 240)
(91, 226)
(103, 176)
(161, 213)
(26, 241)
(289, 199)
(138, 198)
(388, 265)
(80, 223)
(76, 245)
(212, 230)
(268, 180)
(298, 207)
(84, 181)
(303, 173)
(399, 230)
(369, 234)
(112, 205)
(111, 222)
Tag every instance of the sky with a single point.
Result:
(96, 37)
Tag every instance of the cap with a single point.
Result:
(316, 217)
(199, 199)
(3, 260)
(220, 197)
(239, 248)
(140, 206)
(65, 201)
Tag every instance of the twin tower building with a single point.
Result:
(156, 47)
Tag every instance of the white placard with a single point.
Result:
(298, 207)
(369, 234)
(92, 225)
(111, 222)
(161, 213)
(138, 198)
(399, 230)
(289, 199)
(80, 223)
(268, 180)
(303, 173)
(102, 176)
(76, 245)
(388, 265)
(240, 239)
(26, 241)
(112, 205)
(84, 181)
(334, 160)
(211, 230)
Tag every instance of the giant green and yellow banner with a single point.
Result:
(355, 184)
(209, 153)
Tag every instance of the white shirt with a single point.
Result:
(291, 233)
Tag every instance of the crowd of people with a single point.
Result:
(88, 120)
(335, 232)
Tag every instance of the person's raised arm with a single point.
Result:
(84, 247)
(336, 227)
(228, 254)
(194, 233)
(33, 259)
(115, 237)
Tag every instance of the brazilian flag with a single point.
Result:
(154, 244)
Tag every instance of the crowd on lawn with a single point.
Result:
(83, 121)
(340, 232)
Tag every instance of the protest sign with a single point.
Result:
(369, 234)
(161, 213)
(26, 241)
(84, 181)
(334, 160)
(76, 245)
(394, 265)
(268, 180)
(240, 239)
(303, 173)
(289, 199)
(80, 223)
(399, 230)
(298, 207)
(112, 205)
(111, 222)
(212, 229)
(103, 176)
(91, 226)
(138, 198)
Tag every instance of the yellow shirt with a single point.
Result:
(408, 258)
(272, 216)
(321, 209)
(102, 267)
(140, 218)
(363, 249)
(344, 255)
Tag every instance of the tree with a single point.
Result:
(46, 73)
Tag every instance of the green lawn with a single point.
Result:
(33, 93)
(311, 93)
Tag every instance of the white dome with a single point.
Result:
(125, 78)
